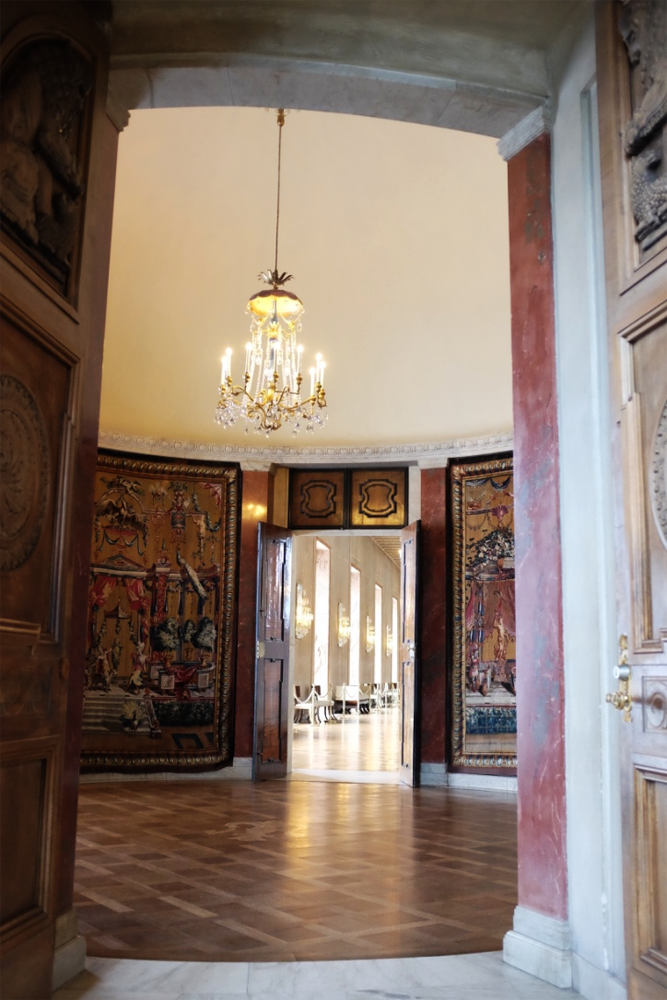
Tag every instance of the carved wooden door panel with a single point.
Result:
(632, 90)
(54, 248)
(272, 697)
(409, 773)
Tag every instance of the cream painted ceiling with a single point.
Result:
(396, 234)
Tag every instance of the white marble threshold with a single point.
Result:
(353, 777)
(452, 977)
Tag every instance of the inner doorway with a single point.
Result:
(354, 732)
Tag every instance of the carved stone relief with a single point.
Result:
(24, 473)
(643, 25)
(658, 484)
(654, 697)
(45, 87)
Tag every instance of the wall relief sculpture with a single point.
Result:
(643, 25)
(46, 86)
(24, 473)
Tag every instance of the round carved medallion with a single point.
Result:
(659, 475)
(24, 473)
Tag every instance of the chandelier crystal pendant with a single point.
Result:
(272, 394)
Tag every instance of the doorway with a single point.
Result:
(355, 732)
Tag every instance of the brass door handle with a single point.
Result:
(621, 699)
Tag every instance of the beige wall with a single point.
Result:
(375, 567)
(397, 238)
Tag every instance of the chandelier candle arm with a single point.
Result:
(270, 396)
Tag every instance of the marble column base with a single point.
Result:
(70, 955)
(540, 945)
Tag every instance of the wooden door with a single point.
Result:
(632, 83)
(409, 771)
(272, 697)
(56, 192)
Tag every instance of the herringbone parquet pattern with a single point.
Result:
(218, 870)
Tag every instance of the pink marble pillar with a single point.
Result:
(254, 507)
(433, 680)
(540, 710)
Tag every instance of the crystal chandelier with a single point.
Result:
(304, 616)
(271, 394)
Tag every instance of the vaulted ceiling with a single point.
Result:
(396, 232)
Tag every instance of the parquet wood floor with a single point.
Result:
(292, 870)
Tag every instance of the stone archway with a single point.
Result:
(541, 923)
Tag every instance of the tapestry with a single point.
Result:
(484, 673)
(158, 677)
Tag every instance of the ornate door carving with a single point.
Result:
(632, 87)
(53, 268)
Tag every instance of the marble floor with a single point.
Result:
(457, 977)
(356, 748)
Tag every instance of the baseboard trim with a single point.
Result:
(434, 775)
(483, 782)
(540, 946)
(241, 770)
(69, 960)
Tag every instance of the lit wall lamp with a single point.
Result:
(389, 642)
(370, 634)
(304, 616)
(343, 626)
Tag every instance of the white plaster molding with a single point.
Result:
(529, 128)
(540, 946)
(438, 454)
(250, 466)
(117, 113)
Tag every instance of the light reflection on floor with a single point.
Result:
(368, 745)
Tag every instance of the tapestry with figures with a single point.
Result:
(484, 675)
(158, 678)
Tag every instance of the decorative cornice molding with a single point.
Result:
(423, 455)
(521, 135)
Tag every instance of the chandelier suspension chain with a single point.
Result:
(271, 395)
(281, 122)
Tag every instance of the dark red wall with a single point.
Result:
(254, 508)
(540, 739)
(432, 630)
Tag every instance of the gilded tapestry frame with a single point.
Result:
(483, 690)
(163, 580)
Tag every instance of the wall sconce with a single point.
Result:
(389, 642)
(343, 625)
(370, 634)
(304, 616)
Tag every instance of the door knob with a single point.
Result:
(621, 699)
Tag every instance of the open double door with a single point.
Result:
(273, 698)
(633, 143)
